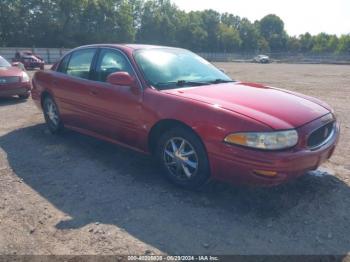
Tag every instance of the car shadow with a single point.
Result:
(93, 181)
(6, 101)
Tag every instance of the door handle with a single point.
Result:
(93, 92)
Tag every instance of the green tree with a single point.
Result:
(249, 35)
(293, 44)
(306, 42)
(272, 29)
(231, 20)
(324, 43)
(344, 44)
(228, 38)
(159, 22)
(211, 22)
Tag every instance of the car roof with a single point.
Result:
(130, 47)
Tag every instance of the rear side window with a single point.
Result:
(80, 63)
(63, 65)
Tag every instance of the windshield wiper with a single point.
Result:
(181, 83)
(220, 81)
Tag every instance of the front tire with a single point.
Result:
(52, 115)
(183, 158)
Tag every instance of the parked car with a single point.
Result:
(198, 122)
(263, 59)
(29, 60)
(13, 80)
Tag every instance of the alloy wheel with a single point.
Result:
(52, 112)
(180, 158)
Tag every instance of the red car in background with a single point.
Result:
(197, 121)
(13, 81)
(29, 60)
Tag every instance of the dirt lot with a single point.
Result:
(73, 194)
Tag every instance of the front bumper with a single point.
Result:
(15, 89)
(238, 165)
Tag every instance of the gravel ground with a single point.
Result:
(73, 194)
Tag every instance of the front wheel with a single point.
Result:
(183, 158)
(52, 115)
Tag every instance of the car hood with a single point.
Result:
(10, 71)
(274, 107)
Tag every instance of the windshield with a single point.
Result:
(4, 63)
(166, 68)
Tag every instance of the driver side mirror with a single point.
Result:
(121, 79)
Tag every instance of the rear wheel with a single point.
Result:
(52, 115)
(183, 158)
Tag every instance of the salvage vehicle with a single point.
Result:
(29, 60)
(198, 122)
(13, 80)
(262, 59)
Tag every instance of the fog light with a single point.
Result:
(265, 173)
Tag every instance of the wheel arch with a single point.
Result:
(164, 125)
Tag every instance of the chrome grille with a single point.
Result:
(320, 135)
(9, 79)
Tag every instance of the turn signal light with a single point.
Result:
(265, 173)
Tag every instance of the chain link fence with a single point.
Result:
(280, 57)
(51, 55)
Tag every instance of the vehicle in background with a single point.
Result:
(262, 59)
(29, 60)
(197, 122)
(13, 80)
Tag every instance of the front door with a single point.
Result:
(118, 108)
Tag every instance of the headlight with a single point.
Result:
(264, 140)
(25, 77)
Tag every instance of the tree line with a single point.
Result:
(70, 23)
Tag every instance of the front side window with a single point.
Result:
(111, 61)
(80, 63)
(166, 68)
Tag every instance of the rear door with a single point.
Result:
(73, 87)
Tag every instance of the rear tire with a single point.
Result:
(52, 115)
(183, 158)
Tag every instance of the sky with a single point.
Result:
(299, 16)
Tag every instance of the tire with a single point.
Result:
(52, 115)
(187, 165)
(24, 97)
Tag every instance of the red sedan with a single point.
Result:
(194, 119)
(13, 81)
